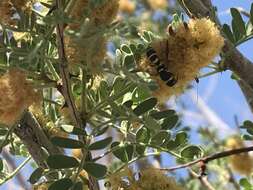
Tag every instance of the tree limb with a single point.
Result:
(211, 157)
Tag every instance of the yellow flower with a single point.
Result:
(241, 163)
(93, 49)
(149, 179)
(184, 53)
(158, 4)
(127, 6)
(16, 95)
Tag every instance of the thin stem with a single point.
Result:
(15, 172)
(209, 74)
(211, 158)
(203, 180)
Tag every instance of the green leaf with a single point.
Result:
(143, 135)
(170, 122)
(66, 142)
(125, 49)
(238, 24)
(140, 149)
(95, 169)
(146, 36)
(78, 186)
(118, 84)
(140, 94)
(251, 13)
(247, 137)
(133, 48)
(73, 130)
(129, 62)
(36, 175)
(62, 184)
(3, 131)
(226, 29)
(181, 137)
(160, 138)
(1, 164)
(235, 77)
(128, 103)
(101, 131)
(145, 106)
(151, 124)
(61, 161)
(123, 152)
(191, 152)
(248, 124)
(245, 183)
(162, 114)
(100, 144)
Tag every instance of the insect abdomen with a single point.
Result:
(164, 74)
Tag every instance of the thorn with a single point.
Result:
(171, 31)
(186, 26)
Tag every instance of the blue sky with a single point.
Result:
(224, 96)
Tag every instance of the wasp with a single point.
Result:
(163, 72)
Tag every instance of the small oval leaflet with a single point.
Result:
(145, 106)
(181, 137)
(191, 152)
(160, 138)
(169, 122)
(162, 114)
(100, 144)
(123, 152)
(125, 49)
(62, 184)
(36, 175)
(245, 183)
(66, 142)
(143, 135)
(95, 169)
(61, 161)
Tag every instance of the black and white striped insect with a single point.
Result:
(163, 72)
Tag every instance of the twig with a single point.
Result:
(210, 158)
(12, 164)
(16, 170)
(68, 96)
(232, 179)
(203, 180)
(34, 138)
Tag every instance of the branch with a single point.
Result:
(64, 72)
(203, 180)
(32, 135)
(68, 96)
(209, 158)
